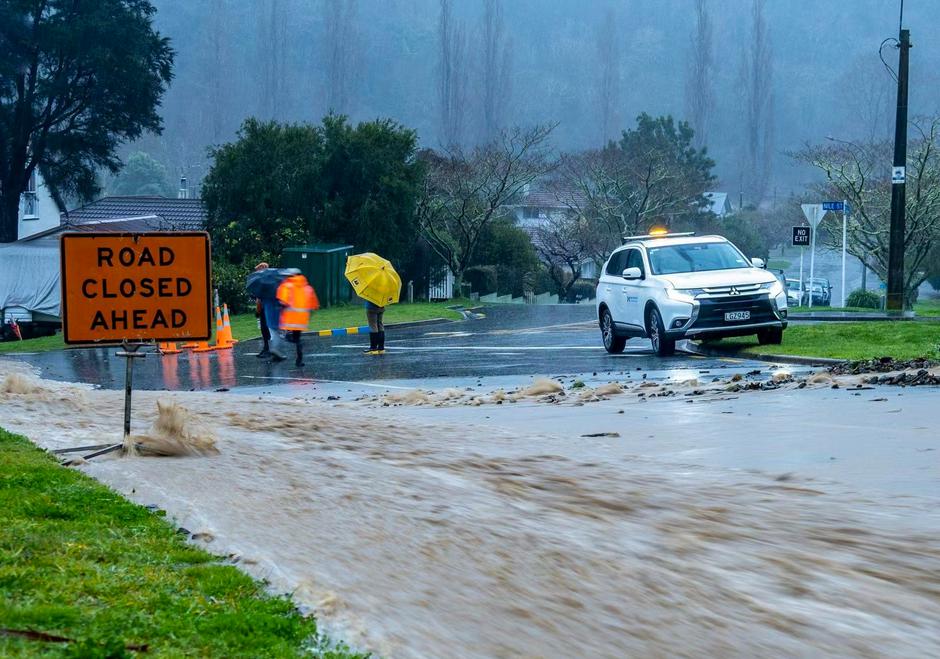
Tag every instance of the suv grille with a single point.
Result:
(712, 311)
(741, 289)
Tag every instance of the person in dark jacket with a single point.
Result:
(262, 321)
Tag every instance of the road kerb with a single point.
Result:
(780, 359)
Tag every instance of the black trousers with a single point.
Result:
(265, 332)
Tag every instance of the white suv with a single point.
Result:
(669, 287)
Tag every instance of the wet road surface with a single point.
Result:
(511, 341)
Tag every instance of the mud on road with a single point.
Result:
(414, 537)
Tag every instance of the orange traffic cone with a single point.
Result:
(168, 349)
(203, 346)
(225, 337)
(220, 343)
(189, 345)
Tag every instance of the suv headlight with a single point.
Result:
(683, 294)
(775, 288)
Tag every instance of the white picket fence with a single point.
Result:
(441, 285)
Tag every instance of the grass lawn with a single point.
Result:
(819, 309)
(852, 341)
(79, 561)
(929, 307)
(245, 326)
(778, 264)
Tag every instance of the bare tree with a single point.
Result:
(497, 59)
(608, 75)
(341, 41)
(869, 106)
(217, 70)
(757, 76)
(698, 91)
(861, 174)
(452, 90)
(564, 244)
(652, 175)
(273, 32)
(464, 192)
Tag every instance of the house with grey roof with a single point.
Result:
(174, 214)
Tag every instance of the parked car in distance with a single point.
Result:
(795, 296)
(821, 291)
(669, 287)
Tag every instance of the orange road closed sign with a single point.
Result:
(119, 287)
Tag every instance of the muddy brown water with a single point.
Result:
(420, 539)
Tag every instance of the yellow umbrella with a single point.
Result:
(373, 278)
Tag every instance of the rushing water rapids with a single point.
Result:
(416, 538)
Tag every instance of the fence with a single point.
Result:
(440, 285)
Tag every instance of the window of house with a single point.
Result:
(30, 199)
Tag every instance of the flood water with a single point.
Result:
(424, 538)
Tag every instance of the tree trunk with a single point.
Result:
(9, 218)
(458, 284)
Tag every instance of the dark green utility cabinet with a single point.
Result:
(323, 265)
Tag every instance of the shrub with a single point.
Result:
(229, 279)
(584, 289)
(482, 279)
(543, 282)
(864, 299)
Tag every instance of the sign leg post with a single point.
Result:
(800, 303)
(812, 261)
(130, 354)
(845, 205)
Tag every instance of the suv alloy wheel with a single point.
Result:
(662, 346)
(612, 343)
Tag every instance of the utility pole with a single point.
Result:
(895, 297)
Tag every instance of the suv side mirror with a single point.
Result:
(632, 273)
(758, 263)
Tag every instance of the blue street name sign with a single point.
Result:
(832, 206)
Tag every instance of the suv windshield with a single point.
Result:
(695, 257)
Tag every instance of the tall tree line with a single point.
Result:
(700, 95)
(758, 92)
(452, 72)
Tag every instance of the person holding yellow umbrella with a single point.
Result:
(375, 281)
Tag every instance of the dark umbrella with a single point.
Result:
(263, 284)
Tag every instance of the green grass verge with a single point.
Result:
(78, 560)
(42, 344)
(852, 341)
(778, 264)
(819, 309)
(922, 308)
(245, 326)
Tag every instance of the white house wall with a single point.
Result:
(46, 212)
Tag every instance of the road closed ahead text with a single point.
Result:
(118, 287)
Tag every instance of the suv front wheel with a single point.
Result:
(612, 343)
(770, 336)
(662, 346)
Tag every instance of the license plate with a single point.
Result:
(737, 315)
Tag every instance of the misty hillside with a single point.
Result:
(557, 61)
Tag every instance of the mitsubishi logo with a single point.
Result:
(734, 291)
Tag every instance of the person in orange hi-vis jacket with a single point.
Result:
(297, 299)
